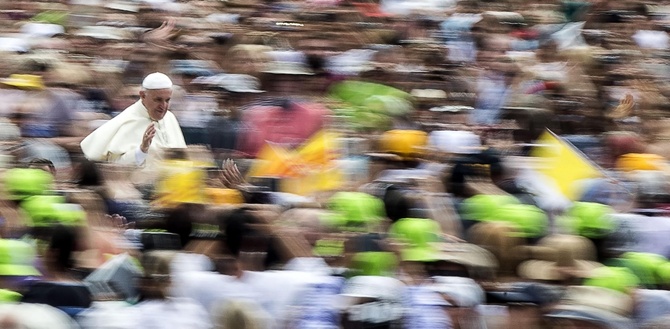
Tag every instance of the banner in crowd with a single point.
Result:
(563, 164)
(310, 168)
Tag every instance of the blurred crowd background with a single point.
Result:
(350, 164)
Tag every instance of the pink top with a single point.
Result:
(274, 124)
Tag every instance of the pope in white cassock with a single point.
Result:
(141, 129)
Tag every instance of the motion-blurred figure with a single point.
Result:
(145, 126)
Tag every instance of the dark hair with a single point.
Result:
(235, 227)
(63, 243)
(396, 204)
(89, 174)
(40, 162)
(180, 221)
(239, 235)
(316, 62)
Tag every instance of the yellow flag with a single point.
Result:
(319, 150)
(180, 182)
(273, 161)
(308, 169)
(564, 164)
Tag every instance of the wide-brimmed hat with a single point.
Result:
(408, 144)
(651, 269)
(640, 161)
(103, 32)
(30, 315)
(464, 292)
(375, 263)
(21, 183)
(473, 257)
(416, 236)
(17, 258)
(125, 6)
(429, 93)
(484, 207)
(589, 219)
(287, 63)
(619, 279)
(378, 287)
(43, 30)
(24, 81)
(236, 83)
(557, 257)
(353, 211)
(502, 240)
(607, 307)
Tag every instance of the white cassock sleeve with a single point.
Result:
(136, 158)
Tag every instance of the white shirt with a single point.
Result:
(174, 313)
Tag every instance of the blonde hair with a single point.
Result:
(156, 281)
(236, 314)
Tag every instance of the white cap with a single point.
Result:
(156, 80)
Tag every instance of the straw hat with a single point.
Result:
(559, 257)
(501, 239)
(606, 307)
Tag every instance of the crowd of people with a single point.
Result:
(334, 164)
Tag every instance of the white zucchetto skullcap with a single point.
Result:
(157, 80)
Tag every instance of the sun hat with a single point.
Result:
(236, 83)
(371, 299)
(8, 296)
(463, 292)
(429, 93)
(37, 316)
(592, 220)
(14, 44)
(70, 214)
(24, 81)
(606, 307)
(21, 183)
(224, 195)
(663, 272)
(124, 6)
(647, 267)
(559, 256)
(287, 63)
(103, 32)
(378, 287)
(530, 220)
(475, 258)
(41, 209)
(328, 248)
(484, 207)
(640, 161)
(619, 279)
(407, 144)
(416, 236)
(502, 240)
(33, 29)
(455, 141)
(17, 258)
(353, 210)
(374, 263)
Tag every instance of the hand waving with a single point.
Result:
(147, 138)
(231, 176)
